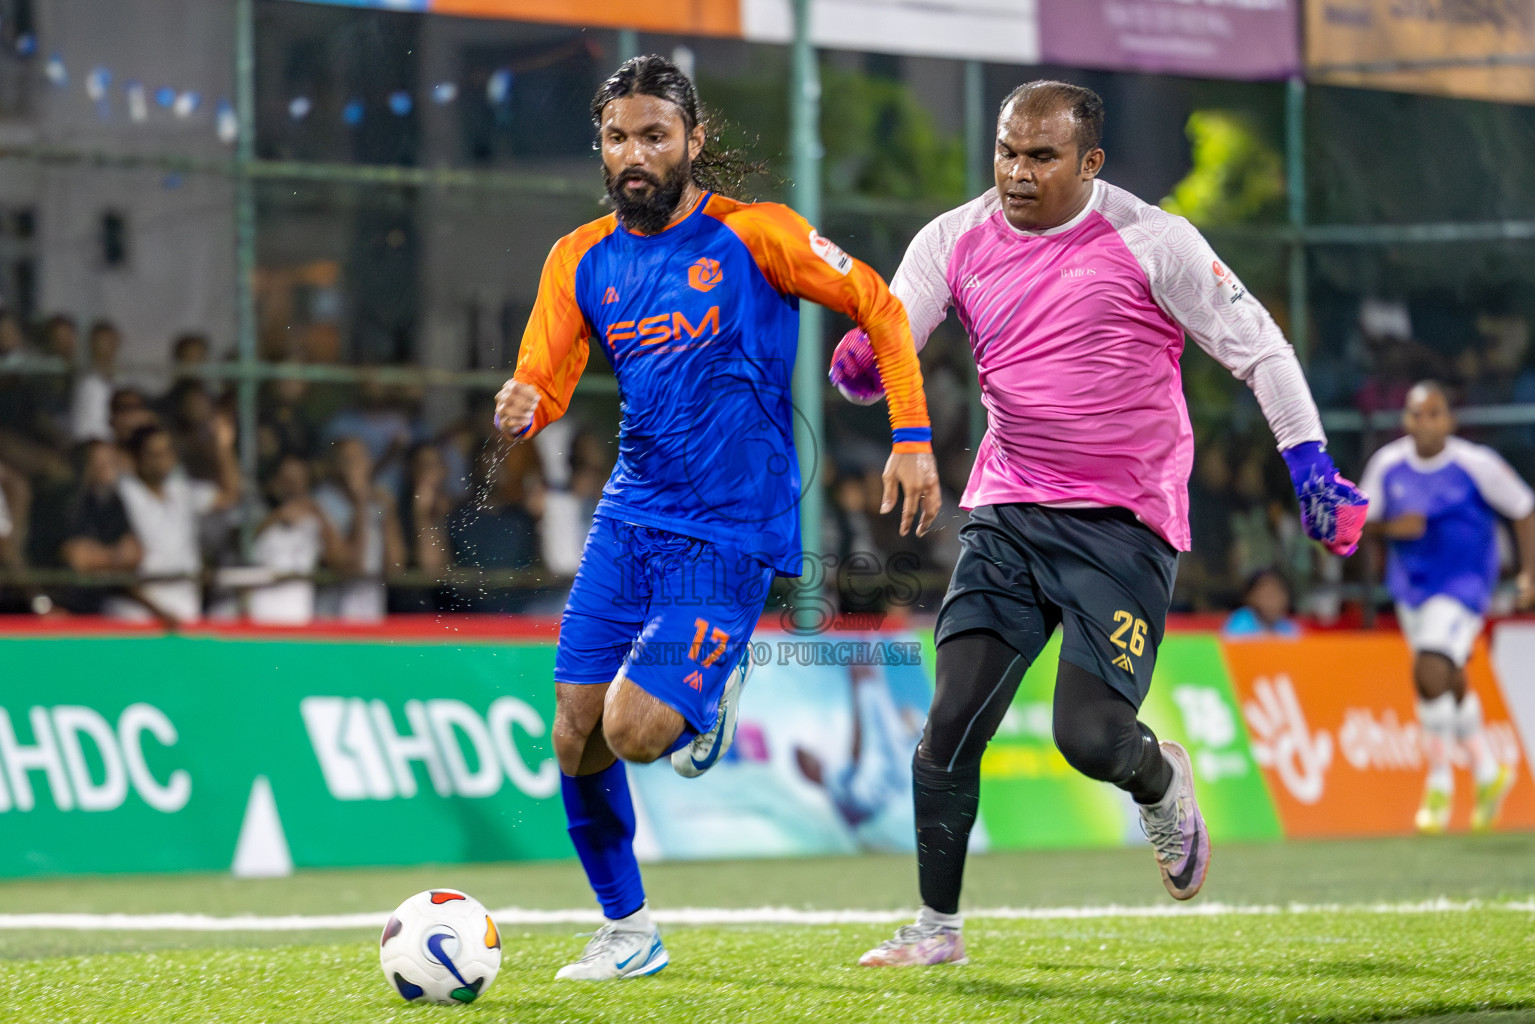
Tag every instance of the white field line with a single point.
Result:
(512, 916)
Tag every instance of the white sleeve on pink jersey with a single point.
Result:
(921, 282)
(1205, 297)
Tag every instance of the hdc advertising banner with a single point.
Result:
(1334, 725)
(169, 753)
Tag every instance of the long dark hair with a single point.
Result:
(716, 168)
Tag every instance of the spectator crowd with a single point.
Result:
(124, 496)
(357, 509)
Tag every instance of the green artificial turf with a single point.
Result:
(1332, 966)
(1357, 962)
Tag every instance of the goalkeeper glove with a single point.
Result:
(1332, 509)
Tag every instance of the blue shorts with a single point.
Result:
(674, 613)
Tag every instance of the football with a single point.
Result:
(440, 946)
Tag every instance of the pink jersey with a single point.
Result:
(1077, 332)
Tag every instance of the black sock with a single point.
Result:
(1153, 773)
(946, 803)
(977, 675)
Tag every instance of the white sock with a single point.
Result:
(639, 921)
(1468, 729)
(927, 915)
(1163, 807)
(1437, 720)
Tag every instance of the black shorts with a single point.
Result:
(1098, 572)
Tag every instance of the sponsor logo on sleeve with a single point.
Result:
(835, 258)
(1226, 284)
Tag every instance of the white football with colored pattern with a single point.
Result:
(440, 946)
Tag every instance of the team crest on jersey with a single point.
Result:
(705, 274)
(825, 248)
(1227, 284)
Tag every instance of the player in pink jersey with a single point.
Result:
(1076, 296)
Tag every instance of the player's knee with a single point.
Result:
(938, 773)
(1101, 746)
(570, 739)
(632, 741)
(1434, 673)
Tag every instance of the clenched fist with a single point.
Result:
(515, 403)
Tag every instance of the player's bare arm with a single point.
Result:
(1407, 526)
(1524, 542)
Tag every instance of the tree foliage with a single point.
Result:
(1237, 177)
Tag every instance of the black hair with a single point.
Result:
(185, 342)
(140, 438)
(1259, 575)
(715, 169)
(1086, 107)
(122, 398)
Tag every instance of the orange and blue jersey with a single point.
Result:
(701, 323)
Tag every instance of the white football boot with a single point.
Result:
(617, 953)
(707, 748)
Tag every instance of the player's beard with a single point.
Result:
(649, 213)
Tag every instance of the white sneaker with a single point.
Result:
(707, 748)
(616, 953)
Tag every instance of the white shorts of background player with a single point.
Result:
(1440, 625)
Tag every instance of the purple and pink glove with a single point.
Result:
(1332, 509)
(853, 370)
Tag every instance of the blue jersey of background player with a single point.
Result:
(1436, 501)
(693, 298)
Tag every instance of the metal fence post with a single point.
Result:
(809, 368)
(245, 248)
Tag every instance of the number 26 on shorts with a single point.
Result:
(1136, 627)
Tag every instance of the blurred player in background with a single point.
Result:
(1435, 501)
(694, 299)
(1076, 296)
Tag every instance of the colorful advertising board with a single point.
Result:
(684, 17)
(1473, 50)
(1245, 39)
(1334, 725)
(821, 763)
(209, 752)
(1006, 31)
(1191, 700)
